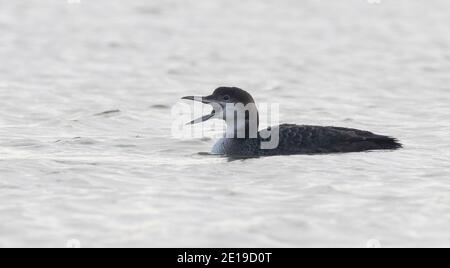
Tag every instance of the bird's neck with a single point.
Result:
(242, 128)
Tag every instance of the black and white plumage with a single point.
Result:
(293, 139)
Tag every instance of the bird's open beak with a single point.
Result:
(205, 100)
(202, 119)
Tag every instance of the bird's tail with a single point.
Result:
(385, 142)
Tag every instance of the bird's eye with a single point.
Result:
(226, 98)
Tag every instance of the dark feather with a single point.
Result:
(295, 139)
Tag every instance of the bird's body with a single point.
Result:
(295, 139)
(243, 139)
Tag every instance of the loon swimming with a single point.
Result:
(243, 139)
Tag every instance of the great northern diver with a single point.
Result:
(292, 139)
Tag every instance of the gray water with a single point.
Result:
(69, 172)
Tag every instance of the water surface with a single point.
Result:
(86, 150)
